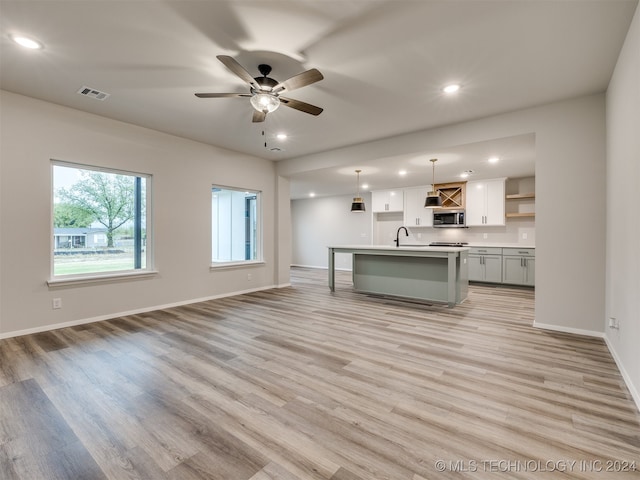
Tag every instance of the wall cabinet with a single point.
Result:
(518, 266)
(485, 264)
(415, 215)
(485, 203)
(387, 201)
(452, 194)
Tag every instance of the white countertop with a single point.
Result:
(500, 245)
(437, 249)
(412, 248)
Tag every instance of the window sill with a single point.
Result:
(234, 265)
(106, 278)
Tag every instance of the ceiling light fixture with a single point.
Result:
(26, 42)
(402, 172)
(281, 136)
(453, 88)
(265, 102)
(433, 199)
(494, 160)
(358, 203)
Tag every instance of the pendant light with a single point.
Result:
(433, 199)
(358, 203)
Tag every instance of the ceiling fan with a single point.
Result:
(265, 91)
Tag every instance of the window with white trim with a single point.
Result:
(100, 221)
(235, 225)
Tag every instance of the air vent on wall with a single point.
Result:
(93, 93)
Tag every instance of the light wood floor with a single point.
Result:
(300, 383)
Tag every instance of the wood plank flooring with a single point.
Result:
(301, 383)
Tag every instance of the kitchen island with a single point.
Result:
(434, 274)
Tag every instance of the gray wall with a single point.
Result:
(623, 206)
(33, 132)
(320, 222)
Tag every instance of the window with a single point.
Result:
(99, 221)
(235, 225)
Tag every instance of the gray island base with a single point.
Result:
(433, 274)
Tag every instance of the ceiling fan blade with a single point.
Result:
(221, 95)
(301, 80)
(259, 116)
(238, 69)
(302, 106)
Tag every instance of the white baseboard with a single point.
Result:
(590, 333)
(627, 379)
(320, 268)
(575, 331)
(308, 266)
(73, 323)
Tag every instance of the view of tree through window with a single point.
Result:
(235, 225)
(99, 220)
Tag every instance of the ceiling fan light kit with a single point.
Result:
(265, 91)
(265, 102)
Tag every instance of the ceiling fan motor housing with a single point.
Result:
(266, 83)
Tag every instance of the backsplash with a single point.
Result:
(386, 225)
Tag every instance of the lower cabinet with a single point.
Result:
(485, 264)
(512, 266)
(518, 266)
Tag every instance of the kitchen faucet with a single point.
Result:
(398, 235)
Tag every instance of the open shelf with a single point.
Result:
(516, 196)
(519, 214)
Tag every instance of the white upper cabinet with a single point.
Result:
(387, 201)
(415, 215)
(485, 203)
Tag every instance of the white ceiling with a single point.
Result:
(384, 63)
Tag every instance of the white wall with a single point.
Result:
(623, 209)
(321, 222)
(32, 132)
(570, 216)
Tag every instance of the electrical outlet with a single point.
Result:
(613, 323)
(249, 277)
(56, 303)
(485, 235)
(524, 236)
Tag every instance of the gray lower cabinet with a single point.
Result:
(518, 266)
(485, 264)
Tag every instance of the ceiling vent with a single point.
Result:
(93, 93)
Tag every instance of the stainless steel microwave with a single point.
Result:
(449, 218)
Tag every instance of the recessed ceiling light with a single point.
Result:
(364, 186)
(494, 160)
(312, 194)
(453, 88)
(402, 172)
(281, 136)
(26, 42)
